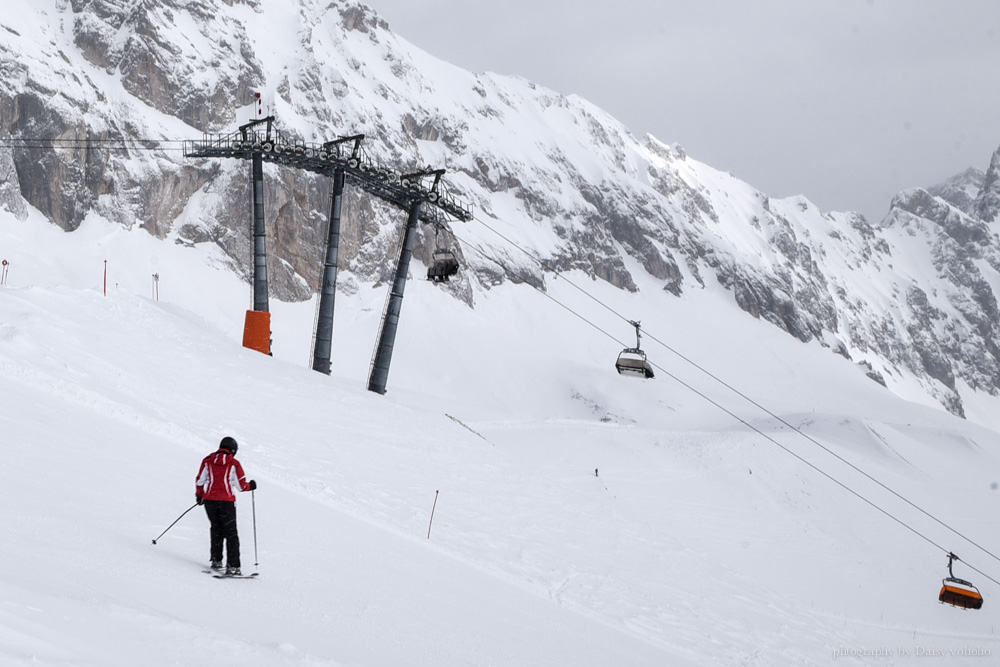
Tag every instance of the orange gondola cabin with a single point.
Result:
(959, 592)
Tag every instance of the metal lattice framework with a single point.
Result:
(346, 153)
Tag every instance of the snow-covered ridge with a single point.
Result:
(558, 176)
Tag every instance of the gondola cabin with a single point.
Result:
(959, 592)
(632, 361)
(443, 266)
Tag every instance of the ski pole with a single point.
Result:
(175, 522)
(434, 507)
(253, 505)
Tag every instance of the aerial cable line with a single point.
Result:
(762, 434)
(140, 144)
(756, 404)
(823, 447)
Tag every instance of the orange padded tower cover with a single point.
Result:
(257, 331)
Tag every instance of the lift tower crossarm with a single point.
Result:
(326, 158)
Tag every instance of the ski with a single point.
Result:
(220, 574)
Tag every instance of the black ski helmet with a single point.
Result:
(229, 443)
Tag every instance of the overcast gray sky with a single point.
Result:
(845, 101)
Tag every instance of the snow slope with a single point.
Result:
(118, 87)
(581, 518)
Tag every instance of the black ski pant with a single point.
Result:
(222, 515)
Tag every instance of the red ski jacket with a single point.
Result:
(219, 474)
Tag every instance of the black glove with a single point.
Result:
(199, 500)
(253, 485)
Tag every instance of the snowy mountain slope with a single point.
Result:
(109, 597)
(582, 518)
(553, 173)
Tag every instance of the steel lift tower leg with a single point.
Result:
(380, 367)
(328, 290)
(259, 248)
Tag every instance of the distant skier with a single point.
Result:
(219, 474)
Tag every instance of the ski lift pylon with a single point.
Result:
(632, 360)
(959, 592)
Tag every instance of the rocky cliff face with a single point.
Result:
(96, 90)
(987, 203)
(952, 322)
(961, 190)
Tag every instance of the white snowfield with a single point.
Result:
(582, 518)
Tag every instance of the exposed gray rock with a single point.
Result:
(961, 190)
(987, 205)
(164, 66)
(10, 195)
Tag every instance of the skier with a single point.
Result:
(219, 474)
